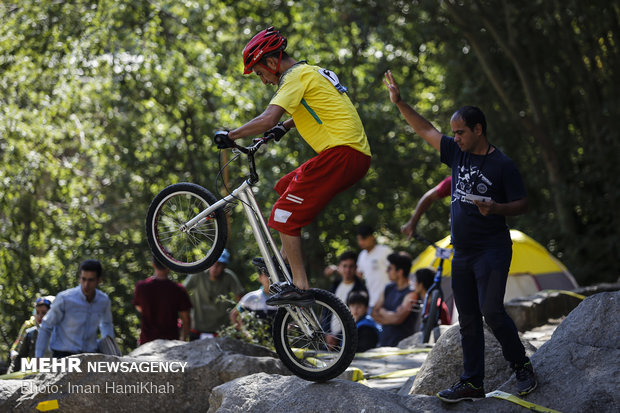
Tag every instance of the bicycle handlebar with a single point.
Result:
(248, 150)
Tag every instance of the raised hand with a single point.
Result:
(392, 87)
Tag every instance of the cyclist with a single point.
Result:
(482, 245)
(327, 120)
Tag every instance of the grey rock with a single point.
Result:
(444, 364)
(262, 393)
(533, 311)
(578, 368)
(211, 362)
(415, 341)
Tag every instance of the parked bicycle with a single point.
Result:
(434, 298)
(186, 230)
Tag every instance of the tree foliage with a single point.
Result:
(104, 103)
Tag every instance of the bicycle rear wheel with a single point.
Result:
(433, 317)
(187, 251)
(308, 354)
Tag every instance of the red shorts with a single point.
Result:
(305, 191)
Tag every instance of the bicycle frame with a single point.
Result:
(261, 232)
(263, 237)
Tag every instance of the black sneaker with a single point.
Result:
(290, 294)
(463, 390)
(526, 379)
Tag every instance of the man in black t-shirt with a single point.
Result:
(486, 187)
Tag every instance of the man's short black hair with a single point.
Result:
(347, 255)
(425, 276)
(472, 115)
(158, 264)
(400, 262)
(91, 265)
(364, 230)
(358, 297)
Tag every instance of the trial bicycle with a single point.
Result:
(187, 231)
(430, 313)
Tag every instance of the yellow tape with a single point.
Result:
(565, 292)
(514, 399)
(373, 355)
(18, 375)
(396, 374)
(47, 405)
(358, 375)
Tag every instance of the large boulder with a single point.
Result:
(210, 362)
(444, 364)
(578, 368)
(262, 393)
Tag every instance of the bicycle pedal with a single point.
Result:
(276, 288)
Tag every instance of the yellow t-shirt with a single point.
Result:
(324, 117)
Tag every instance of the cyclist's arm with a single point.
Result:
(260, 124)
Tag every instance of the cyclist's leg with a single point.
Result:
(306, 191)
(291, 246)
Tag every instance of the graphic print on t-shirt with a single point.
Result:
(466, 179)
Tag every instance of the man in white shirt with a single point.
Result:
(372, 263)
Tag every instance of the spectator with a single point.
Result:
(372, 263)
(25, 345)
(161, 302)
(347, 280)
(255, 301)
(209, 313)
(442, 190)
(345, 284)
(393, 309)
(368, 330)
(486, 188)
(77, 313)
(423, 280)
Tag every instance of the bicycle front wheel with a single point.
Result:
(316, 343)
(191, 250)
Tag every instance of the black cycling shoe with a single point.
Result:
(526, 379)
(289, 294)
(463, 390)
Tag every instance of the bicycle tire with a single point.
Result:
(185, 252)
(312, 358)
(433, 316)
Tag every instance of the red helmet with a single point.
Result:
(266, 41)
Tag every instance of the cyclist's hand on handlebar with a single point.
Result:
(222, 140)
(277, 131)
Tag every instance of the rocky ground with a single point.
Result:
(576, 359)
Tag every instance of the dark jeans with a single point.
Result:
(479, 283)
